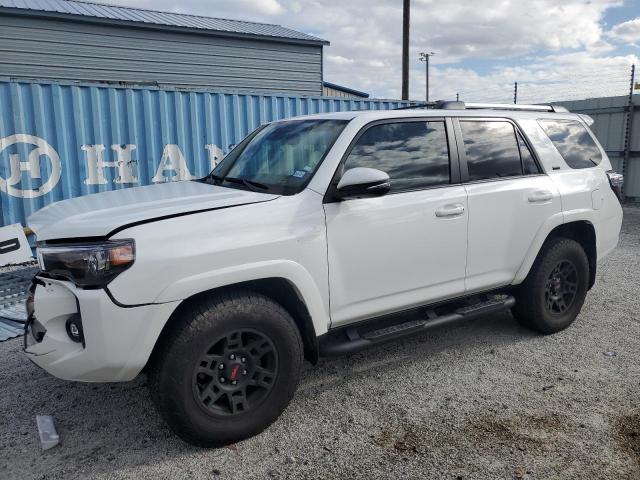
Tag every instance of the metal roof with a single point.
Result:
(14, 286)
(10, 329)
(342, 88)
(111, 13)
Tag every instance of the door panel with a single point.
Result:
(394, 252)
(509, 199)
(504, 217)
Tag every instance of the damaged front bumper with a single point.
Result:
(115, 342)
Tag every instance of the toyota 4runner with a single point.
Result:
(320, 236)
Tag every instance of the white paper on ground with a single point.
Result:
(14, 247)
(47, 430)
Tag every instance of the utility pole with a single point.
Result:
(424, 57)
(406, 16)
(457, 97)
(515, 92)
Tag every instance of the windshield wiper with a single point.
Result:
(250, 184)
(212, 176)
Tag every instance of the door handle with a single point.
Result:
(451, 210)
(540, 196)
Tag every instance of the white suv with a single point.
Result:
(318, 236)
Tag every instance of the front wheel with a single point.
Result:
(552, 295)
(227, 368)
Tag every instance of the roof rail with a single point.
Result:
(457, 105)
(515, 106)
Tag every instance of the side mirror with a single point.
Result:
(362, 182)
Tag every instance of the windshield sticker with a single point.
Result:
(299, 173)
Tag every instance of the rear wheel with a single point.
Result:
(227, 369)
(552, 295)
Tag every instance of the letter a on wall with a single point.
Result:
(172, 161)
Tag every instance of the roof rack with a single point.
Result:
(457, 105)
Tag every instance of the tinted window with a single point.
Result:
(282, 156)
(414, 154)
(573, 142)
(491, 149)
(529, 166)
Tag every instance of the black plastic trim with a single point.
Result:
(122, 305)
(349, 339)
(454, 155)
(422, 306)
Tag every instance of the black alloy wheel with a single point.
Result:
(236, 373)
(561, 287)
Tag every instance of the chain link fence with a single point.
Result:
(608, 97)
(549, 88)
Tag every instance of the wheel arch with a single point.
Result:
(581, 231)
(278, 289)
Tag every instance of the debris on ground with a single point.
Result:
(49, 438)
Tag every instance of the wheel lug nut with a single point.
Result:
(222, 379)
(232, 357)
(235, 382)
(221, 366)
(243, 359)
(244, 372)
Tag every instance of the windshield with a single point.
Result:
(278, 158)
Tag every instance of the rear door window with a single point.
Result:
(491, 149)
(573, 141)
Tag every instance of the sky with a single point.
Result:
(554, 49)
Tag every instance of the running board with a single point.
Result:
(354, 338)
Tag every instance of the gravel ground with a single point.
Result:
(482, 400)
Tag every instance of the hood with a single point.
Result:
(99, 214)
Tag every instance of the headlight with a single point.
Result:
(87, 264)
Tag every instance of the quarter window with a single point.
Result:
(491, 149)
(414, 154)
(573, 141)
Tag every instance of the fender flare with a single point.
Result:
(547, 227)
(293, 272)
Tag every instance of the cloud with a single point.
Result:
(565, 76)
(627, 31)
(479, 44)
(340, 60)
(269, 7)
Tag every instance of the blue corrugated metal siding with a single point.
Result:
(130, 14)
(55, 130)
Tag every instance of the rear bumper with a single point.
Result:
(117, 340)
(608, 230)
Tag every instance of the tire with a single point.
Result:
(259, 347)
(543, 301)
